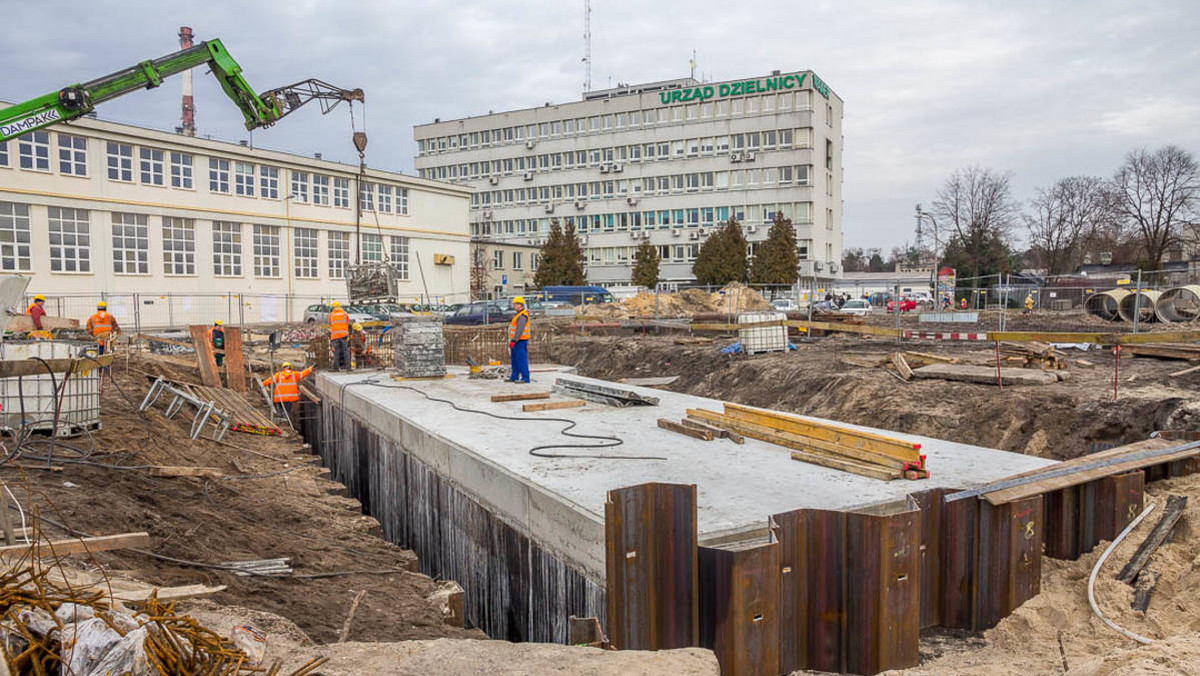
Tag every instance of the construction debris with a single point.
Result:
(1162, 531)
(680, 428)
(553, 405)
(89, 545)
(525, 396)
(603, 394)
(1034, 354)
(270, 567)
(1182, 351)
(987, 375)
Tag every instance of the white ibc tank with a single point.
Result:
(36, 394)
(758, 339)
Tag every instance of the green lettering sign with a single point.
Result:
(743, 88)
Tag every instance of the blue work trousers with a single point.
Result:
(520, 362)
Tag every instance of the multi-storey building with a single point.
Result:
(97, 207)
(668, 161)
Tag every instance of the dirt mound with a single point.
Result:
(733, 298)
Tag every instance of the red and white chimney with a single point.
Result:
(189, 106)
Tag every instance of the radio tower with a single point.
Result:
(189, 107)
(587, 45)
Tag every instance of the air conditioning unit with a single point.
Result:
(493, 179)
(530, 144)
(580, 204)
(528, 176)
(752, 229)
(693, 235)
(604, 168)
(748, 157)
(833, 267)
(583, 240)
(617, 168)
(702, 232)
(487, 214)
(549, 208)
(735, 157)
(631, 201)
(634, 235)
(817, 265)
(675, 232)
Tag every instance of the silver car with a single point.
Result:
(319, 314)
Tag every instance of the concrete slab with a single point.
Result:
(739, 486)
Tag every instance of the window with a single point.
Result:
(151, 166)
(120, 161)
(218, 175)
(3, 153)
(268, 182)
(372, 248)
(498, 260)
(14, 237)
(366, 197)
(341, 192)
(34, 151)
(533, 261)
(179, 246)
(131, 244)
(402, 201)
(72, 155)
(227, 249)
(385, 198)
(70, 240)
(320, 191)
(304, 245)
(400, 256)
(828, 154)
(300, 186)
(181, 171)
(266, 250)
(339, 253)
(243, 179)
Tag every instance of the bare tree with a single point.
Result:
(976, 207)
(1063, 218)
(1156, 194)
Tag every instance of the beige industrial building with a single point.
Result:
(668, 161)
(171, 229)
(502, 268)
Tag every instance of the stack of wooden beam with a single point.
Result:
(1185, 351)
(864, 453)
(1033, 354)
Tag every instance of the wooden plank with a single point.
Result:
(863, 363)
(309, 395)
(1144, 588)
(655, 381)
(31, 367)
(868, 471)
(552, 405)
(718, 430)
(797, 441)
(204, 355)
(843, 328)
(884, 445)
(902, 366)
(926, 356)
(985, 375)
(521, 397)
(1183, 372)
(1155, 539)
(235, 365)
(169, 471)
(1161, 352)
(101, 543)
(686, 431)
(190, 591)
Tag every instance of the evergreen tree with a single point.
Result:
(561, 260)
(722, 257)
(777, 261)
(645, 265)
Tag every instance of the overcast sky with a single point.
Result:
(1039, 89)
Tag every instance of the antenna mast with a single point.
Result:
(587, 45)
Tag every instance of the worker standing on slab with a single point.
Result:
(360, 346)
(102, 326)
(285, 387)
(518, 342)
(216, 336)
(36, 311)
(339, 331)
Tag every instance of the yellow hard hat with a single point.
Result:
(217, 322)
(101, 305)
(357, 326)
(519, 299)
(39, 297)
(287, 364)
(335, 304)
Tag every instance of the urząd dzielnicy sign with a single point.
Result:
(742, 88)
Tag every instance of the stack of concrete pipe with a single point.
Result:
(1180, 304)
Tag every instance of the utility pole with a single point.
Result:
(587, 46)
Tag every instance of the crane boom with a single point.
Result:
(259, 111)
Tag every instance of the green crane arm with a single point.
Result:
(259, 110)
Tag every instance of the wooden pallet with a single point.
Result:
(245, 417)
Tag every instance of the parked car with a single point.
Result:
(577, 295)
(479, 313)
(856, 306)
(319, 314)
(785, 305)
(906, 305)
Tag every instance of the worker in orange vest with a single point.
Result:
(518, 342)
(360, 346)
(285, 386)
(339, 331)
(102, 326)
(37, 310)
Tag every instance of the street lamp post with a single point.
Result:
(921, 215)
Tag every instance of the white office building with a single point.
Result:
(666, 160)
(171, 229)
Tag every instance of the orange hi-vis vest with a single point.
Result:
(339, 323)
(100, 325)
(29, 310)
(512, 327)
(287, 384)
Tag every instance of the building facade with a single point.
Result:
(97, 207)
(502, 268)
(669, 161)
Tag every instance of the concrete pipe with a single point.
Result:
(1180, 304)
(1145, 308)
(1106, 304)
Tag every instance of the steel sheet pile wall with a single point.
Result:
(515, 589)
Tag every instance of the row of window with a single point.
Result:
(708, 146)
(70, 245)
(702, 181)
(670, 253)
(518, 260)
(666, 219)
(600, 124)
(156, 167)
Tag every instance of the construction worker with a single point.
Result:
(37, 310)
(285, 387)
(964, 302)
(216, 336)
(360, 346)
(102, 326)
(1029, 304)
(518, 342)
(339, 330)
